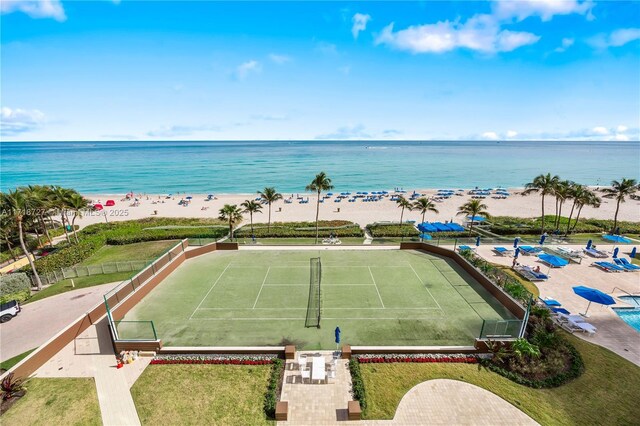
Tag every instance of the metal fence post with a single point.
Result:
(481, 329)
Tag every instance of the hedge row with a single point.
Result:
(507, 225)
(340, 228)
(392, 230)
(271, 397)
(15, 286)
(357, 383)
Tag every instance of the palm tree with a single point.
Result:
(589, 198)
(320, 183)
(233, 214)
(76, 204)
(60, 200)
(620, 190)
(270, 195)
(424, 205)
(16, 205)
(6, 232)
(562, 192)
(41, 204)
(576, 192)
(403, 203)
(545, 185)
(473, 208)
(251, 207)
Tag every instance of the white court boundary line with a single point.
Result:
(261, 287)
(374, 283)
(328, 309)
(327, 318)
(206, 295)
(426, 288)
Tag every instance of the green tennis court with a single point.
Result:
(261, 297)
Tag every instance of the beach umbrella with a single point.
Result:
(616, 238)
(593, 295)
(337, 335)
(589, 244)
(516, 240)
(517, 252)
(478, 241)
(425, 237)
(633, 253)
(542, 238)
(189, 197)
(554, 261)
(615, 252)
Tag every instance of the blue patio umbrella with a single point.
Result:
(516, 240)
(616, 238)
(633, 253)
(337, 334)
(593, 295)
(542, 238)
(425, 237)
(615, 252)
(553, 261)
(476, 218)
(478, 241)
(517, 252)
(189, 197)
(589, 243)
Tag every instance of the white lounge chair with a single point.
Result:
(306, 374)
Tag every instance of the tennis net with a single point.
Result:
(313, 307)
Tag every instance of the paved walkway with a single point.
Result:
(450, 402)
(91, 355)
(41, 320)
(316, 404)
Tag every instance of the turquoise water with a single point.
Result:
(631, 316)
(227, 167)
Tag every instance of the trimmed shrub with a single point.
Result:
(16, 286)
(271, 397)
(357, 383)
(340, 228)
(392, 230)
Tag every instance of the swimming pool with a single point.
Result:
(630, 316)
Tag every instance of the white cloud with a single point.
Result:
(35, 8)
(246, 68)
(326, 48)
(479, 33)
(359, 23)
(279, 59)
(599, 130)
(545, 9)
(18, 121)
(621, 128)
(598, 133)
(492, 136)
(616, 38)
(566, 43)
(512, 133)
(622, 138)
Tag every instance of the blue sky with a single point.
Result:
(115, 70)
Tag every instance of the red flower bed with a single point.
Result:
(212, 361)
(420, 359)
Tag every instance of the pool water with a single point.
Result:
(630, 316)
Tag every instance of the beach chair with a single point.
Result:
(463, 248)
(608, 267)
(501, 251)
(530, 274)
(628, 266)
(595, 253)
(550, 302)
(530, 251)
(569, 252)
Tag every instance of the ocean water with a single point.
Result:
(244, 167)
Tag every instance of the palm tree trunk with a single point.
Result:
(556, 216)
(615, 217)
(64, 226)
(400, 225)
(577, 217)
(542, 232)
(230, 230)
(73, 227)
(44, 228)
(317, 216)
(559, 215)
(26, 253)
(269, 222)
(570, 214)
(251, 218)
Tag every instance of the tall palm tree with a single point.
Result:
(403, 204)
(545, 185)
(320, 183)
(233, 214)
(620, 190)
(270, 195)
(60, 200)
(251, 207)
(40, 200)
(424, 205)
(16, 205)
(562, 192)
(589, 198)
(473, 208)
(76, 203)
(576, 192)
(6, 232)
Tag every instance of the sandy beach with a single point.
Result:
(359, 212)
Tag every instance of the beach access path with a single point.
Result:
(41, 320)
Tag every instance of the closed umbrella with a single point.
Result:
(615, 252)
(542, 238)
(593, 295)
(589, 243)
(337, 334)
(516, 240)
(633, 253)
(517, 252)
(425, 237)
(478, 241)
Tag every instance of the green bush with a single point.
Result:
(392, 230)
(271, 397)
(340, 228)
(507, 225)
(357, 383)
(16, 286)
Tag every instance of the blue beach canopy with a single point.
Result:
(589, 243)
(633, 253)
(337, 334)
(593, 295)
(616, 238)
(426, 237)
(615, 252)
(478, 241)
(542, 238)
(555, 261)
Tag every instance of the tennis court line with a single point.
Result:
(374, 283)
(206, 295)
(307, 285)
(324, 309)
(263, 281)
(325, 318)
(426, 288)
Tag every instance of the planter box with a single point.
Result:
(282, 410)
(354, 412)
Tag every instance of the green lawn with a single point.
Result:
(56, 402)
(202, 394)
(137, 251)
(6, 365)
(390, 297)
(606, 394)
(81, 282)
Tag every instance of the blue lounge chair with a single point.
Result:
(530, 274)
(560, 311)
(628, 266)
(608, 266)
(549, 302)
(595, 253)
(530, 251)
(462, 248)
(501, 251)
